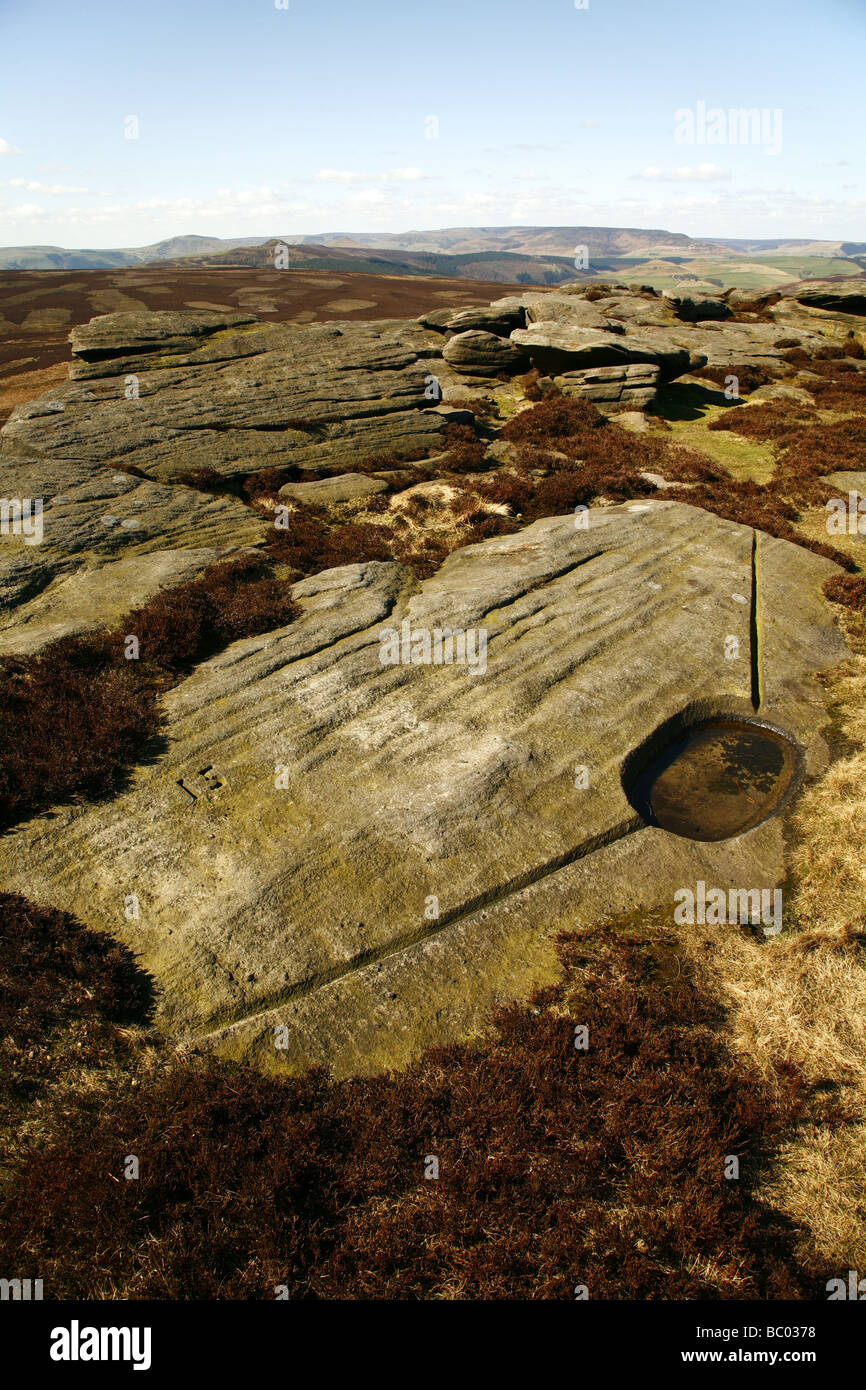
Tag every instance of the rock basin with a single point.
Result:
(715, 778)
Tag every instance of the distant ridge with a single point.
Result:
(59, 258)
(544, 242)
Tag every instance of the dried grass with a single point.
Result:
(800, 1001)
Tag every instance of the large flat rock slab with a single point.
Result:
(558, 347)
(373, 855)
(108, 542)
(171, 394)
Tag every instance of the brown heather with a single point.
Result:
(558, 1167)
(62, 988)
(465, 452)
(309, 544)
(849, 590)
(749, 377)
(586, 458)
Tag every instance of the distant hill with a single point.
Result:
(790, 246)
(526, 241)
(679, 261)
(561, 241)
(505, 267)
(503, 255)
(58, 258)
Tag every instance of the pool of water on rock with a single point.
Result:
(716, 779)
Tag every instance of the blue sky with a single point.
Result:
(257, 120)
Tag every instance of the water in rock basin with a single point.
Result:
(716, 779)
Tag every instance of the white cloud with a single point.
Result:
(697, 173)
(24, 212)
(6, 148)
(531, 149)
(56, 189)
(700, 208)
(411, 175)
(338, 176)
(369, 197)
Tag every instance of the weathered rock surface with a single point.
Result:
(636, 421)
(782, 391)
(824, 308)
(113, 335)
(695, 308)
(572, 311)
(501, 318)
(635, 384)
(98, 596)
(566, 332)
(483, 354)
(752, 300)
(558, 348)
(843, 296)
(236, 395)
(344, 487)
(375, 855)
(102, 532)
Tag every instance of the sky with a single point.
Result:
(123, 124)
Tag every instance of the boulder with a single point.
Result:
(122, 335)
(731, 344)
(477, 353)
(570, 311)
(694, 308)
(345, 487)
(843, 296)
(782, 391)
(557, 348)
(753, 301)
(636, 422)
(500, 318)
